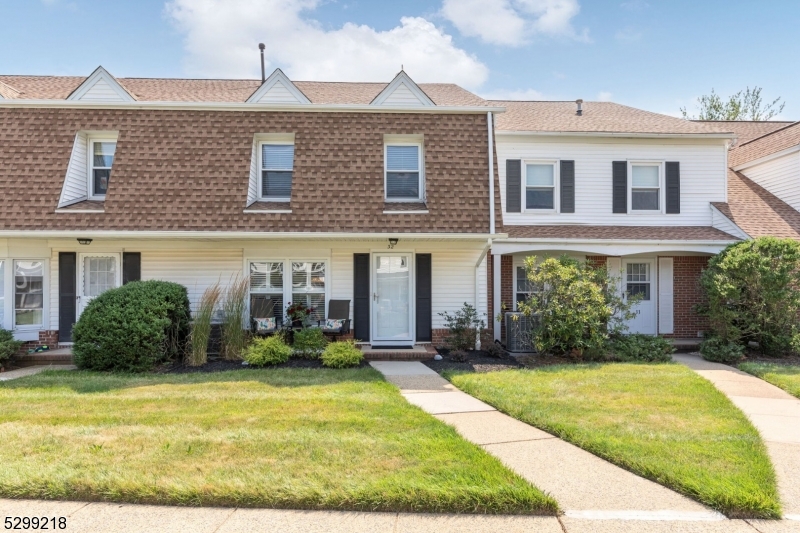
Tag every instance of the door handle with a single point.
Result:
(375, 296)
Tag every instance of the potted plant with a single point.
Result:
(298, 314)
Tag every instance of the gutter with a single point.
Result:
(509, 133)
(490, 126)
(619, 241)
(243, 106)
(286, 235)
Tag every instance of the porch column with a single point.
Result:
(496, 296)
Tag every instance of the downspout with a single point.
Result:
(495, 281)
(478, 287)
(490, 136)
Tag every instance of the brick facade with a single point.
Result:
(46, 338)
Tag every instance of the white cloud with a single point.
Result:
(520, 94)
(628, 34)
(221, 38)
(604, 96)
(513, 22)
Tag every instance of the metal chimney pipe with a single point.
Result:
(580, 109)
(261, 47)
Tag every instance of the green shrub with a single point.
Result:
(578, 306)
(269, 351)
(309, 342)
(638, 347)
(133, 327)
(719, 350)
(342, 355)
(753, 294)
(8, 346)
(462, 327)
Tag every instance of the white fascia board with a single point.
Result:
(510, 133)
(98, 74)
(286, 235)
(243, 106)
(767, 158)
(279, 77)
(606, 246)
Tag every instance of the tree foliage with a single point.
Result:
(579, 306)
(744, 105)
(753, 294)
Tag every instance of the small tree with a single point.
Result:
(579, 306)
(753, 294)
(463, 327)
(744, 105)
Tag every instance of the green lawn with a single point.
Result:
(288, 438)
(786, 377)
(662, 422)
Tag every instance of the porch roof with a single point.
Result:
(633, 233)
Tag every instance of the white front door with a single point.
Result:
(98, 273)
(392, 304)
(638, 277)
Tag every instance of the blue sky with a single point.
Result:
(657, 55)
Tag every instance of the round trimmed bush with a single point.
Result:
(342, 355)
(309, 342)
(718, 350)
(269, 351)
(132, 328)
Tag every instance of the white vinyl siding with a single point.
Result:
(102, 91)
(453, 283)
(780, 176)
(402, 96)
(723, 223)
(75, 186)
(278, 94)
(703, 177)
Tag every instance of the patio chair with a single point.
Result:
(263, 321)
(338, 322)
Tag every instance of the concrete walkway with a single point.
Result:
(585, 486)
(31, 370)
(774, 412)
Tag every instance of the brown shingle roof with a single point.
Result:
(188, 170)
(656, 233)
(757, 211)
(774, 142)
(187, 90)
(598, 117)
(747, 130)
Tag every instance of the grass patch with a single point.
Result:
(282, 438)
(786, 377)
(662, 422)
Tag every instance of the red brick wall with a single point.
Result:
(46, 338)
(687, 294)
(490, 290)
(506, 289)
(597, 261)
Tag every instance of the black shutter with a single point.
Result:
(513, 186)
(67, 294)
(673, 172)
(567, 178)
(131, 267)
(424, 311)
(619, 178)
(361, 297)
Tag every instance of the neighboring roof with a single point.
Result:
(757, 211)
(771, 143)
(650, 233)
(187, 90)
(189, 170)
(747, 130)
(597, 117)
(6, 91)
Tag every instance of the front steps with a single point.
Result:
(60, 356)
(420, 352)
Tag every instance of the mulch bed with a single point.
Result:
(481, 361)
(222, 365)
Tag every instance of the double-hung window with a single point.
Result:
(274, 285)
(645, 186)
(28, 294)
(403, 172)
(540, 186)
(101, 159)
(523, 287)
(277, 165)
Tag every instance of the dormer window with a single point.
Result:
(403, 172)
(101, 160)
(277, 165)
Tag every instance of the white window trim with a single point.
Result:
(10, 297)
(90, 142)
(556, 188)
(261, 169)
(287, 278)
(660, 210)
(421, 171)
(517, 264)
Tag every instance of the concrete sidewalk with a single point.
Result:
(31, 370)
(585, 486)
(774, 412)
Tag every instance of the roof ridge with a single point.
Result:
(770, 133)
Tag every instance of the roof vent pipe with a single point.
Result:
(261, 47)
(580, 108)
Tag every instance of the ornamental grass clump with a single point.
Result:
(342, 354)
(269, 351)
(309, 343)
(752, 290)
(234, 335)
(201, 326)
(8, 346)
